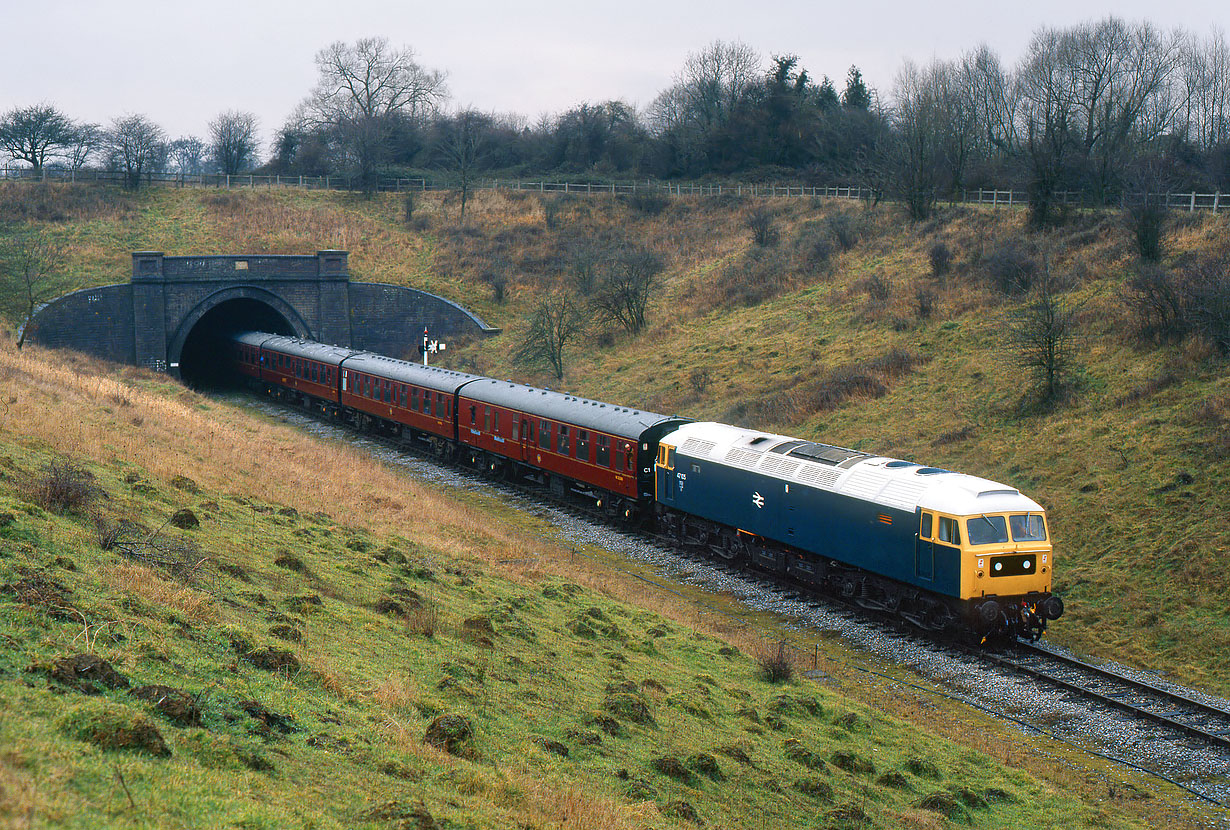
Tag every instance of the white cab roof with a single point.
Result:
(891, 482)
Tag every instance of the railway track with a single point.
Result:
(1176, 711)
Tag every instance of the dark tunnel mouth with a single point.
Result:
(202, 361)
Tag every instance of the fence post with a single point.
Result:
(1192, 208)
(1216, 200)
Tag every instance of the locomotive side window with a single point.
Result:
(1027, 527)
(924, 529)
(583, 444)
(544, 435)
(604, 451)
(950, 531)
(562, 447)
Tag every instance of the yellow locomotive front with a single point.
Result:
(1007, 569)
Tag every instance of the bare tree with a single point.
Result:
(626, 288)
(362, 89)
(937, 130)
(86, 140)
(31, 276)
(554, 324)
(1043, 336)
(187, 154)
(35, 134)
(233, 140)
(137, 146)
(460, 146)
(703, 98)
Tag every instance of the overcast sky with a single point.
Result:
(182, 63)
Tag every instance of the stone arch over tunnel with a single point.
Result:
(195, 351)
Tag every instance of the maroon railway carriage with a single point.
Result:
(422, 398)
(245, 353)
(596, 449)
(299, 370)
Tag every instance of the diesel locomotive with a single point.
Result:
(946, 551)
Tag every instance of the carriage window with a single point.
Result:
(604, 451)
(562, 446)
(630, 458)
(403, 396)
(473, 415)
(950, 531)
(516, 433)
(544, 435)
(426, 401)
(486, 419)
(414, 399)
(497, 422)
(924, 529)
(583, 444)
(388, 391)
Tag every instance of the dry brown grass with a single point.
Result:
(147, 584)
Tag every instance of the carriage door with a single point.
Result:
(527, 439)
(924, 560)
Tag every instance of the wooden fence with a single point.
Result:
(995, 198)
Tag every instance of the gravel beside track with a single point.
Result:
(963, 675)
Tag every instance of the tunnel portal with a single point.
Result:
(202, 360)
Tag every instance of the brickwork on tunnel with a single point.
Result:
(147, 321)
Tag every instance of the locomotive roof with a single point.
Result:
(403, 371)
(621, 421)
(889, 481)
(309, 349)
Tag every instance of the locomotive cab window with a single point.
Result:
(924, 528)
(986, 530)
(1028, 527)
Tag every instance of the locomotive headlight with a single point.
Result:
(1026, 564)
(998, 566)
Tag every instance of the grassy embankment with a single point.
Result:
(328, 611)
(821, 335)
